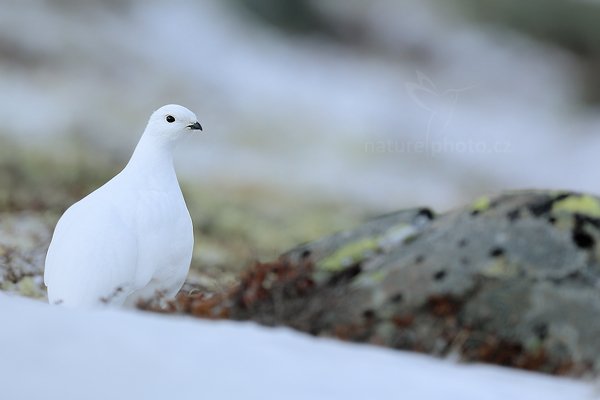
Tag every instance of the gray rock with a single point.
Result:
(511, 280)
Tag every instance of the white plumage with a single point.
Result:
(132, 238)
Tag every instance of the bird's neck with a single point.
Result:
(152, 163)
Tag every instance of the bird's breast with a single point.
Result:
(165, 234)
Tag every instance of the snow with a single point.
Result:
(57, 353)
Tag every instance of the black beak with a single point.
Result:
(195, 125)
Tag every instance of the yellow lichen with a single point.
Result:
(584, 205)
(481, 204)
(349, 254)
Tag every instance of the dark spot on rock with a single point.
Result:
(427, 213)
(345, 275)
(305, 254)
(541, 207)
(475, 213)
(513, 215)
(369, 314)
(464, 261)
(541, 330)
(496, 252)
(563, 196)
(397, 298)
(463, 242)
(544, 205)
(440, 275)
(551, 220)
(580, 236)
(419, 259)
(582, 239)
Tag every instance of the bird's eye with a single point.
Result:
(170, 118)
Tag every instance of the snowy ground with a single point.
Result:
(55, 353)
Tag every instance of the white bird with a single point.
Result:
(132, 238)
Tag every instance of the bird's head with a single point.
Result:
(171, 122)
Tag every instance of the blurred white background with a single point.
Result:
(385, 104)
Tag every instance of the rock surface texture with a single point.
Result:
(511, 280)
